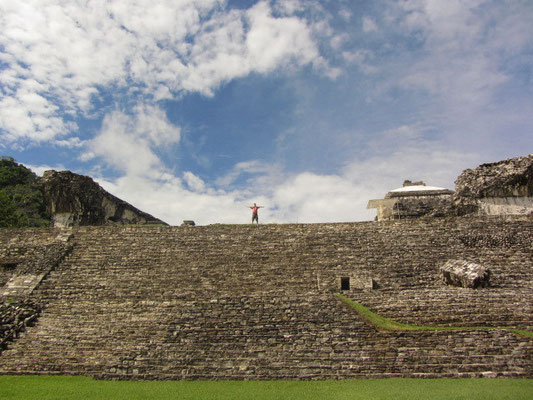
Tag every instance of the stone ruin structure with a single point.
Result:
(256, 302)
(413, 200)
(465, 274)
(74, 199)
(500, 188)
(244, 302)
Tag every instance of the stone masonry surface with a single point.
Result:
(22, 249)
(255, 302)
(14, 318)
(503, 187)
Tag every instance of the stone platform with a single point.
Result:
(256, 302)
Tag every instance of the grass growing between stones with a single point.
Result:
(75, 387)
(390, 325)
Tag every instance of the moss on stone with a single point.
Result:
(387, 324)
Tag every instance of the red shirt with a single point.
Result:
(254, 209)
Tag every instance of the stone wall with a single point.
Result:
(255, 302)
(20, 246)
(29, 273)
(27, 257)
(505, 205)
(414, 200)
(422, 206)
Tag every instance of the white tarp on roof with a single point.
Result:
(417, 188)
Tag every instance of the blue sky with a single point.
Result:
(196, 109)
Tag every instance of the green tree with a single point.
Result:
(21, 189)
(12, 173)
(8, 211)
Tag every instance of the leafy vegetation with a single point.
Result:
(21, 199)
(390, 325)
(77, 387)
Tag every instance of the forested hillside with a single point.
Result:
(21, 199)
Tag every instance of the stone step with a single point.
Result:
(240, 302)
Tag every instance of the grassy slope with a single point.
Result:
(63, 387)
(390, 325)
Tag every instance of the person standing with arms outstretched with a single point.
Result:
(255, 216)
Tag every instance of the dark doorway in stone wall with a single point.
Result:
(345, 283)
(7, 266)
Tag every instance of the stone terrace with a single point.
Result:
(22, 246)
(256, 302)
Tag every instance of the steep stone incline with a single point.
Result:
(74, 199)
(255, 302)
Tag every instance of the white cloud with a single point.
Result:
(271, 42)
(123, 151)
(434, 164)
(28, 115)
(152, 122)
(449, 20)
(195, 183)
(360, 58)
(304, 197)
(170, 201)
(345, 14)
(369, 25)
(39, 170)
(399, 153)
(71, 142)
(341, 197)
(337, 41)
(461, 66)
(405, 132)
(467, 65)
(252, 178)
(310, 197)
(58, 56)
(127, 142)
(288, 7)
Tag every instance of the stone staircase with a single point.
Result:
(494, 307)
(256, 302)
(21, 246)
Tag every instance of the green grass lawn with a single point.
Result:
(67, 387)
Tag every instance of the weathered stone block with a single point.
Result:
(465, 274)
